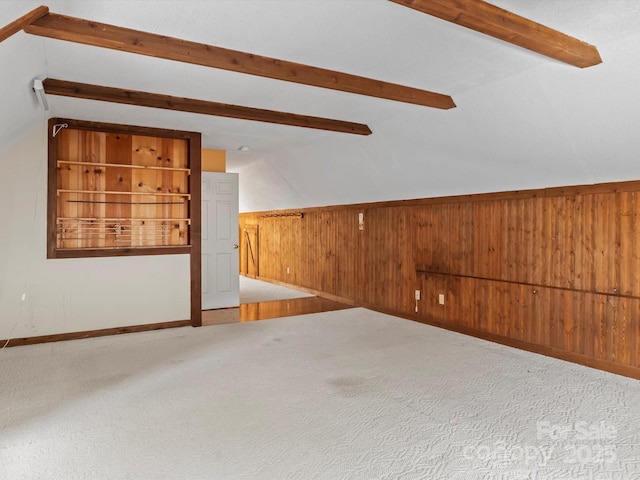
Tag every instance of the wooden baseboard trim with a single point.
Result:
(18, 342)
(580, 359)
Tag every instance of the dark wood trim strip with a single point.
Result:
(195, 205)
(122, 128)
(53, 86)
(504, 25)
(17, 342)
(102, 35)
(20, 23)
(526, 284)
(52, 186)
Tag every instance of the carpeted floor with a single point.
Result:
(351, 394)
(254, 291)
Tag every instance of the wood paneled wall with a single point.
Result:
(555, 271)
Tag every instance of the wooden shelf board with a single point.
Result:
(128, 219)
(103, 192)
(119, 165)
(164, 247)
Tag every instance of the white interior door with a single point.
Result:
(220, 280)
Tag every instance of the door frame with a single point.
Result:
(195, 213)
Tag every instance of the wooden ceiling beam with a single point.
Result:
(145, 99)
(134, 41)
(502, 24)
(19, 24)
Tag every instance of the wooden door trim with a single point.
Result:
(195, 205)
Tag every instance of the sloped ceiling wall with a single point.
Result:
(523, 120)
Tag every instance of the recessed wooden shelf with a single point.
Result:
(120, 190)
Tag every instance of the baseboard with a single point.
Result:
(17, 342)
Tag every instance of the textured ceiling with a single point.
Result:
(523, 120)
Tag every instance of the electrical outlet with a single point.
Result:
(417, 294)
(441, 299)
(288, 270)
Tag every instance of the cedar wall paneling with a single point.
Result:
(555, 271)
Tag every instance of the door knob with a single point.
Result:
(235, 246)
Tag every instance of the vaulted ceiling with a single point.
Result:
(522, 120)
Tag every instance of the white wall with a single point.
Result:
(69, 295)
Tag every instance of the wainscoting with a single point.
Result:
(556, 271)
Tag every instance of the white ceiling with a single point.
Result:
(523, 120)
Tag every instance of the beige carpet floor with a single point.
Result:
(351, 394)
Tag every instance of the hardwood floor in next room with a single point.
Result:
(251, 312)
(262, 300)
